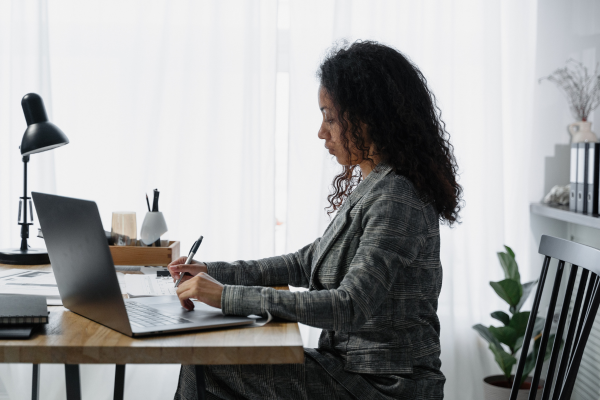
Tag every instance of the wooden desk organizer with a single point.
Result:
(141, 255)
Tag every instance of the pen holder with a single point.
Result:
(153, 227)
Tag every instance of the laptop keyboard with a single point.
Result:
(146, 317)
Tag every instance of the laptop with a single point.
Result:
(87, 280)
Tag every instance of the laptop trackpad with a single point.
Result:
(170, 305)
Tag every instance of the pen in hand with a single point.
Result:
(191, 255)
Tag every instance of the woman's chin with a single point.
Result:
(341, 161)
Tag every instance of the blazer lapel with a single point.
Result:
(339, 221)
(331, 233)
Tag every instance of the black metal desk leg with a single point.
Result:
(35, 383)
(119, 382)
(73, 382)
(200, 383)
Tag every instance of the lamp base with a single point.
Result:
(24, 257)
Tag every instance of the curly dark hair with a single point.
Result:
(376, 85)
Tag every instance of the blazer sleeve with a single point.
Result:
(393, 234)
(289, 269)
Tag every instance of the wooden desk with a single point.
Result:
(72, 340)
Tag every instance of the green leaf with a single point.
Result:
(501, 316)
(505, 361)
(510, 291)
(511, 269)
(506, 335)
(487, 335)
(527, 287)
(519, 322)
(519, 343)
(510, 251)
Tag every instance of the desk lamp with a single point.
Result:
(40, 135)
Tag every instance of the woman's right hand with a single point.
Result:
(178, 267)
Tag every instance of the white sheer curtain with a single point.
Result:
(178, 96)
(478, 58)
(24, 68)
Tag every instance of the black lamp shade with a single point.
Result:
(40, 135)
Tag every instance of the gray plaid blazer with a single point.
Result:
(374, 278)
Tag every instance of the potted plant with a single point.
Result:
(582, 90)
(505, 341)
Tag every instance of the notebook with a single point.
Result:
(17, 309)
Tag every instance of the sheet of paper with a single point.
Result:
(38, 283)
(23, 281)
(148, 285)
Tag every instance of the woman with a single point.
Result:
(375, 276)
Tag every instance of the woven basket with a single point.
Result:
(500, 393)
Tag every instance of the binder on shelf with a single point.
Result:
(573, 183)
(581, 177)
(593, 153)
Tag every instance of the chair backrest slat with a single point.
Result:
(539, 363)
(559, 384)
(566, 357)
(529, 331)
(581, 341)
(584, 312)
(564, 312)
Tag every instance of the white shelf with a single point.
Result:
(562, 213)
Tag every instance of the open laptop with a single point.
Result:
(87, 280)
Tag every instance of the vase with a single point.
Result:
(581, 131)
(493, 392)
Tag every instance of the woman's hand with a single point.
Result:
(202, 287)
(178, 267)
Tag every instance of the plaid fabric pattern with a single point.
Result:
(374, 279)
(265, 382)
(308, 381)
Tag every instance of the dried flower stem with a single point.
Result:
(581, 88)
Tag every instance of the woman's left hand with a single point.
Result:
(202, 287)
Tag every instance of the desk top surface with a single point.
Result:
(71, 339)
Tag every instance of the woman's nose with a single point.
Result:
(322, 134)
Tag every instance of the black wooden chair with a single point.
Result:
(563, 375)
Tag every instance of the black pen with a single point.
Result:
(148, 202)
(191, 255)
(155, 202)
(155, 209)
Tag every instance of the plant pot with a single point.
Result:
(494, 392)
